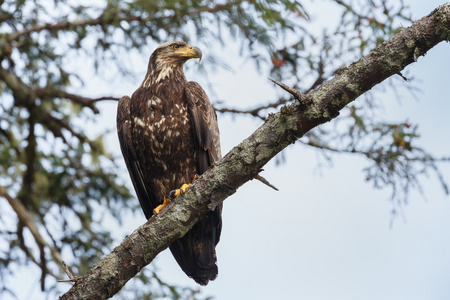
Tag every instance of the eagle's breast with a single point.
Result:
(162, 130)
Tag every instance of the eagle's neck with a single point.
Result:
(163, 70)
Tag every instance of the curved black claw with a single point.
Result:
(173, 192)
(157, 209)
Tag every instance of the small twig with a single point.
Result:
(402, 76)
(263, 180)
(72, 278)
(297, 95)
(302, 99)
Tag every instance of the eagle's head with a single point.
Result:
(168, 59)
(176, 52)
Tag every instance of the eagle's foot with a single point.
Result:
(159, 207)
(181, 190)
(172, 195)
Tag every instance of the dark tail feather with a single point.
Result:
(195, 252)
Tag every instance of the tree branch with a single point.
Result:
(215, 8)
(103, 19)
(23, 216)
(244, 161)
(82, 100)
(255, 112)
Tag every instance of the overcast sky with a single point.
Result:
(326, 234)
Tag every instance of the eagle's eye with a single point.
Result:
(175, 46)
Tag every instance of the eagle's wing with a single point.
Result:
(204, 122)
(195, 252)
(124, 131)
(207, 136)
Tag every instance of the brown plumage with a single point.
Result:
(168, 133)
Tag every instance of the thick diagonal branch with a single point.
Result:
(244, 161)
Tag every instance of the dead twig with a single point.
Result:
(72, 278)
(301, 98)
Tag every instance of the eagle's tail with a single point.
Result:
(195, 252)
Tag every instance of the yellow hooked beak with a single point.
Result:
(190, 52)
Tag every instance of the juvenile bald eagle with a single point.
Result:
(168, 133)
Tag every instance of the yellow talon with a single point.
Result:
(173, 194)
(182, 189)
(159, 207)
